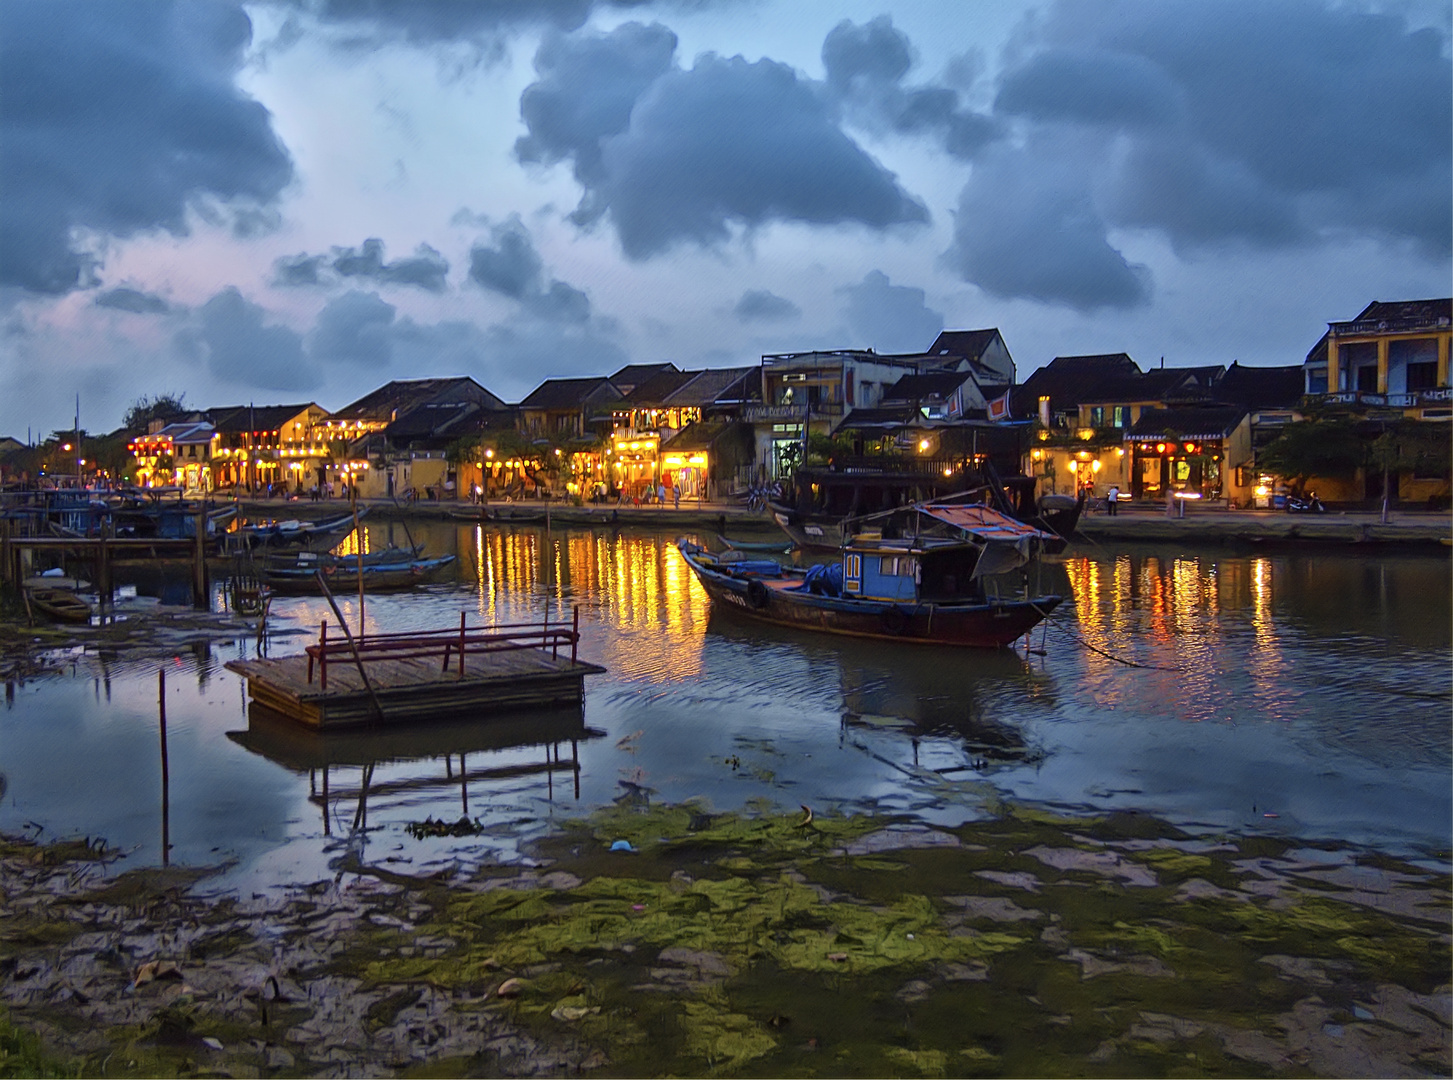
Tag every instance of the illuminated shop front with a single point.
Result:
(687, 471)
(1187, 451)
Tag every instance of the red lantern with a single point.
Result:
(1160, 448)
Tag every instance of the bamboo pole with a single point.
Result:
(357, 657)
(166, 783)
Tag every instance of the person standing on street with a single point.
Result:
(1111, 498)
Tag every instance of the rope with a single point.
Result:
(1108, 656)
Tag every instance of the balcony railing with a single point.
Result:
(754, 414)
(1370, 327)
(1411, 400)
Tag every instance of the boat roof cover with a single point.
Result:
(980, 520)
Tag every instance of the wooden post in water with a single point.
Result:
(358, 540)
(201, 595)
(461, 644)
(166, 782)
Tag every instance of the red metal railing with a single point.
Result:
(444, 644)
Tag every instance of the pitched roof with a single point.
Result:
(571, 393)
(936, 386)
(1407, 310)
(633, 375)
(1261, 387)
(655, 389)
(717, 385)
(1196, 422)
(882, 418)
(700, 435)
(393, 399)
(232, 419)
(966, 343)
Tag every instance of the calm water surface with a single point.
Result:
(1298, 694)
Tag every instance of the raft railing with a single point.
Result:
(447, 645)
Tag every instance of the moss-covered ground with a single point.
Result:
(765, 944)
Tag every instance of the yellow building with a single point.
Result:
(1394, 354)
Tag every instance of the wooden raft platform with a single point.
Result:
(423, 675)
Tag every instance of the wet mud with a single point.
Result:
(651, 940)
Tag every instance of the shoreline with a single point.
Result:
(1363, 531)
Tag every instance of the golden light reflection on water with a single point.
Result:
(1174, 614)
(638, 586)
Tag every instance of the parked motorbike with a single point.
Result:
(1308, 504)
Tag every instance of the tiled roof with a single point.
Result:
(571, 393)
(655, 389)
(718, 385)
(701, 435)
(937, 386)
(633, 375)
(232, 419)
(1197, 422)
(395, 398)
(1398, 310)
(1261, 387)
(882, 418)
(966, 343)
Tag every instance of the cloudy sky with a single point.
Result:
(300, 199)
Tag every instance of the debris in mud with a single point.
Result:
(432, 827)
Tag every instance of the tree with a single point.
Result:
(146, 408)
(1410, 446)
(1330, 448)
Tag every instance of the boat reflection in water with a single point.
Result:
(445, 746)
(945, 700)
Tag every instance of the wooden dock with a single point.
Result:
(398, 678)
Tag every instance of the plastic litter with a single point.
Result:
(622, 845)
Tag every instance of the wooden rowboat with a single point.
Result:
(60, 605)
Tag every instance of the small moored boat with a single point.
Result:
(377, 577)
(60, 605)
(931, 574)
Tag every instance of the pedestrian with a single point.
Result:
(661, 494)
(1111, 498)
(676, 497)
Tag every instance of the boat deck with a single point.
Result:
(427, 675)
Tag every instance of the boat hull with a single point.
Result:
(345, 579)
(990, 624)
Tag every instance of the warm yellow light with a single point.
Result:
(697, 459)
(1074, 465)
(1119, 451)
(1262, 491)
(489, 455)
(65, 446)
(1095, 466)
(1087, 433)
(557, 451)
(923, 446)
(948, 472)
(1036, 454)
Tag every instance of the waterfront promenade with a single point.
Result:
(1135, 522)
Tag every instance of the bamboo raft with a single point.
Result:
(397, 678)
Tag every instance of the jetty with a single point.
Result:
(423, 675)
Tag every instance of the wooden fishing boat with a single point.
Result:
(377, 577)
(60, 605)
(933, 574)
(742, 545)
(308, 535)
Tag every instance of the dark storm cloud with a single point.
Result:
(759, 305)
(891, 318)
(587, 86)
(427, 269)
(509, 265)
(1234, 123)
(117, 118)
(132, 300)
(356, 329)
(1047, 242)
(1108, 88)
(291, 270)
(673, 156)
(241, 349)
(865, 68)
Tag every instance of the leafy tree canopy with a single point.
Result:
(153, 407)
(1330, 448)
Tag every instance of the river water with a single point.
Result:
(1301, 694)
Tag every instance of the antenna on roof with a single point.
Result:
(1162, 362)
